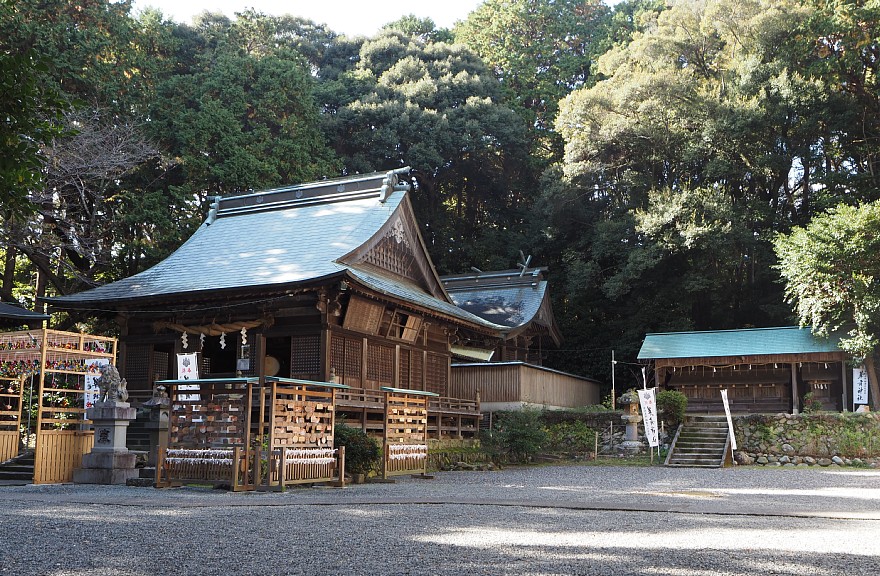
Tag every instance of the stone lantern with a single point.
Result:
(630, 403)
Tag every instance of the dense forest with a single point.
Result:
(648, 154)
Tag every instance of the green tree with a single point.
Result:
(709, 130)
(31, 111)
(831, 269)
(435, 107)
(95, 61)
(240, 113)
(540, 50)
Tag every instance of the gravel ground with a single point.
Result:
(523, 521)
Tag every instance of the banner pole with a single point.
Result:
(613, 388)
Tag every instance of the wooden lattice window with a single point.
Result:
(160, 365)
(345, 359)
(417, 369)
(394, 256)
(337, 357)
(305, 356)
(363, 315)
(380, 364)
(137, 367)
(436, 373)
(404, 326)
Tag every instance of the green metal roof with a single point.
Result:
(746, 342)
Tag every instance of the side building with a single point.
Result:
(765, 370)
(512, 375)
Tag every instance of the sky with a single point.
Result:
(349, 17)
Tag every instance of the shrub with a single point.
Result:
(573, 437)
(518, 435)
(811, 403)
(362, 453)
(671, 405)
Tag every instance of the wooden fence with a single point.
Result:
(10, 414)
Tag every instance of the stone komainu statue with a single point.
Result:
(111, 386)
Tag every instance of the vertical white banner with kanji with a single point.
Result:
(92, 392)
(648, 401)
(729, 419)
(188, 369)
(860, 386)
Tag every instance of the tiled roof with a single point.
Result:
(273, 238)
(418, 297)
(511, 298)
(746, 342)
(13, 312)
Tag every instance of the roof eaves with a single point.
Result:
(423, 301)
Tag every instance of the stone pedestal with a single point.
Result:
(109, 462)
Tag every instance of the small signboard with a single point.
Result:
(92, 392)
(188, 369)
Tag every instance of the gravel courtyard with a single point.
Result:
(524, 521)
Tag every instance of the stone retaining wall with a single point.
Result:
(824, 439)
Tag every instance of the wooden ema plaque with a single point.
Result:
(406, 432)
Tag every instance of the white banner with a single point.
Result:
(648, 401)
(729, 420)
(860, 385)
(92, 392)
(188, 369)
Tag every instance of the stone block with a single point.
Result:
(111, 411)
(103, 476)
(108, 460)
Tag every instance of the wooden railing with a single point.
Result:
(446, 416)
(446, 405)
(361, 398)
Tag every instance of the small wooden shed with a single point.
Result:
(517, 385)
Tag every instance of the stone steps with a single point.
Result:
(18, 469)
(700, 443)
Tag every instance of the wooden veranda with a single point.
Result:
(447, 417)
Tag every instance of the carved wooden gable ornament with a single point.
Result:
(397, 250)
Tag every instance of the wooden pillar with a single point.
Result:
(260, 356)
(844, 385)
(395, 368)
(794, 389)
